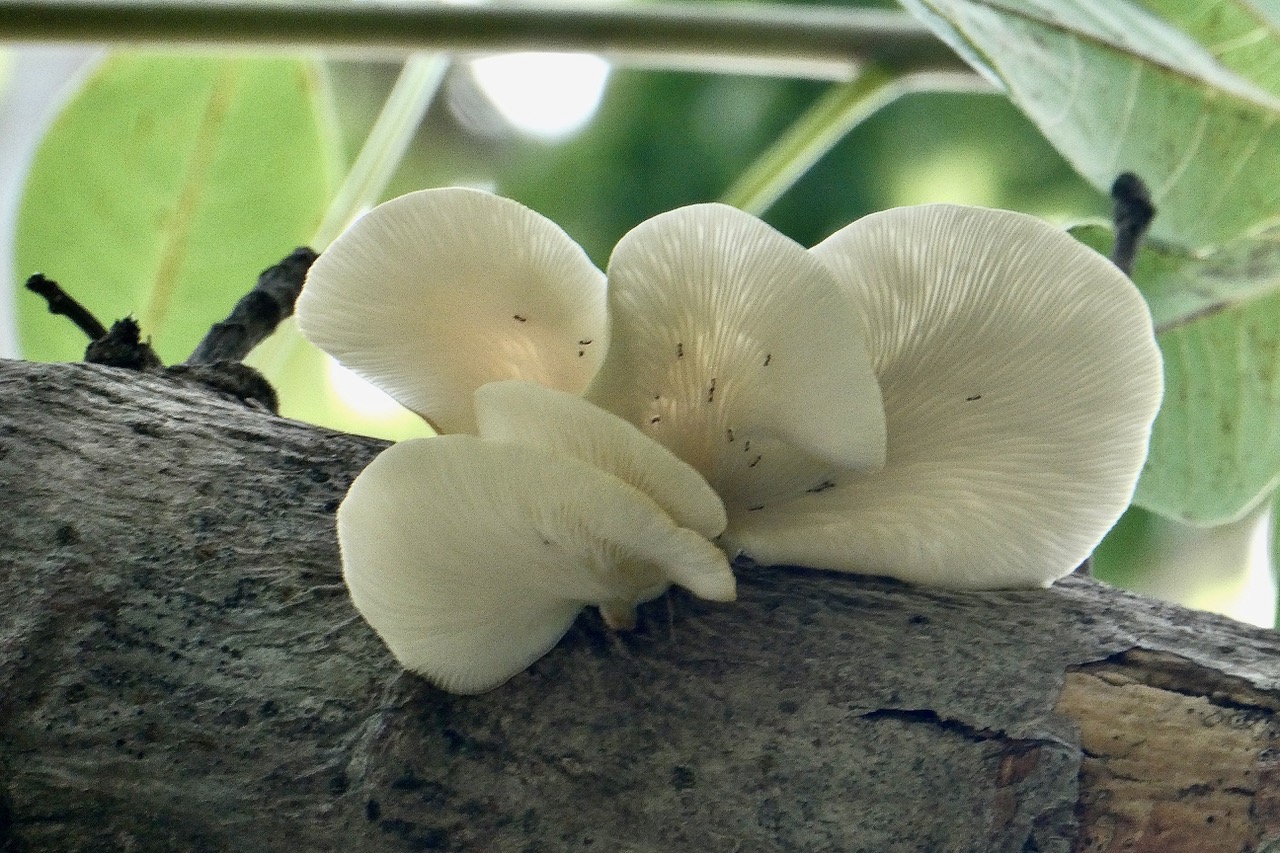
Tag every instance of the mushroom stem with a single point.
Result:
(618, 615)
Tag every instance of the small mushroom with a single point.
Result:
(471, 558)
(736, 327)
(527, 413)
(433, 294)
(1015, 490)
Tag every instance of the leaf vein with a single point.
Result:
(182, 219)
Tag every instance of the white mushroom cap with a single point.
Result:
(1020, 377)
(471, 558)
(527, 413)
(433, 294)
(735, 348)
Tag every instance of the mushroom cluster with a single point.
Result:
(946, 395)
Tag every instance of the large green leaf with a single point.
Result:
(165, 186)
(1243, 35)
(1116, 87)
(1215, 447)
(1182, 286)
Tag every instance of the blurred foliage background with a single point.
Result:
(597, 149)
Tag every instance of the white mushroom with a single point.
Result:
(527, 413)
(471, 558)
(1020, 377)
(433, 294)
(946, 395)
(734, 347)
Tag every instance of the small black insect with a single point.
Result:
(519, 318)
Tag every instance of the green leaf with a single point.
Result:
(165, 187)
(1215, 446)
(1243, 36)
(1182, 286)
(1115, 87)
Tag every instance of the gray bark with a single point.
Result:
(180, 669)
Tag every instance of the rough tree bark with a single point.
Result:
(180, 669)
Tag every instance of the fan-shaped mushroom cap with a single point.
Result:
(433, 294)
(735, 348)
(1020, 377)
(527, 413)
(471, 558)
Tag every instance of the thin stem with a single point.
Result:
(825, 123)
(842, 108)
(675, 33)
(61, 302)
(258, 312)
(1131, 215)
(388, 139)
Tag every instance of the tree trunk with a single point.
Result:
(181, 669)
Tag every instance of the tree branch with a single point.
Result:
(181, 669)
(824, 40)
(62, 303)
(258, 312)
(1131, 215)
